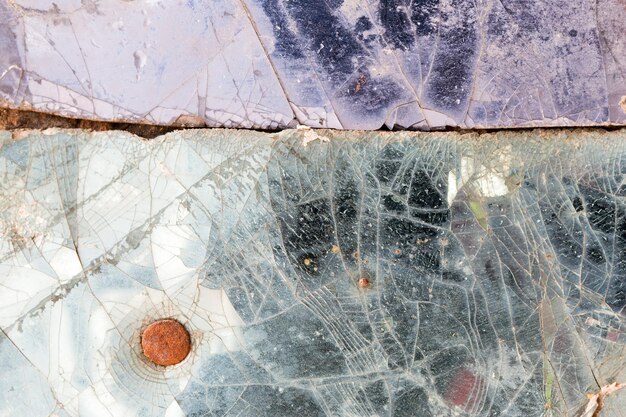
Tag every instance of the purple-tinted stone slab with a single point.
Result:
(425, 64)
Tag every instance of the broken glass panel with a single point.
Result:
(318, 273)
(353, 64)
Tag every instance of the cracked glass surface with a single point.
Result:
(319, 273)
(353, 64)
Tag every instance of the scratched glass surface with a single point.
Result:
(319, 273)
(352, 64)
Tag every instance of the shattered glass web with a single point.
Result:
(496, 267)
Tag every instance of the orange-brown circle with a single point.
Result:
(166, 342)
(364, 282)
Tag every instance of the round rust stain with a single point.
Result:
(166, 342)
(364, 282)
